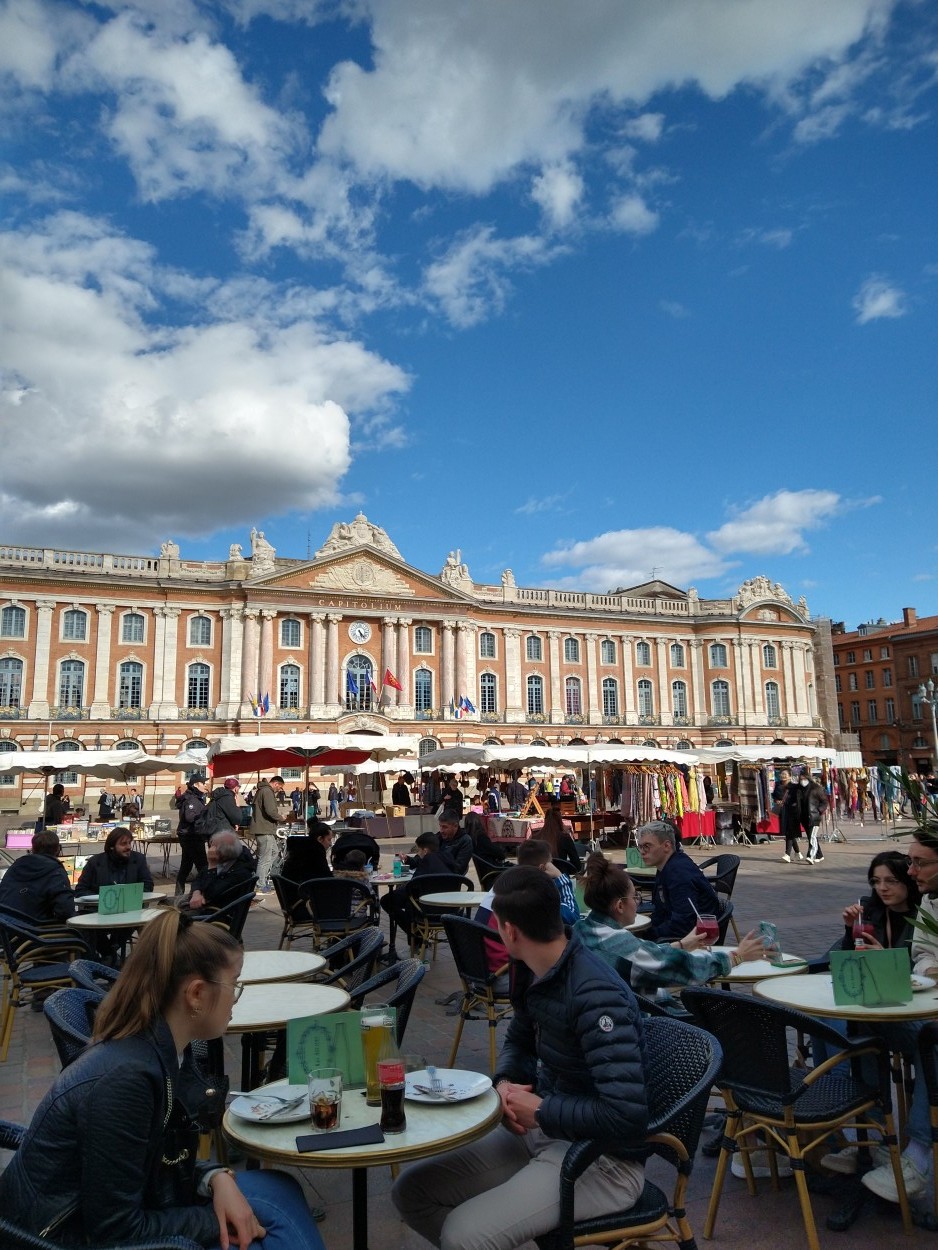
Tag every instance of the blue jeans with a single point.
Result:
(278, 1202)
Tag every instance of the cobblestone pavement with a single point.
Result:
(804, 901)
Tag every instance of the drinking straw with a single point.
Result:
(696, 912)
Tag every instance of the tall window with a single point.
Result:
(535, 695)
(871, 711)
(772, 705)
(851, 657)
(573, 696)
(197, 686)
(200, 634)
(11, 682)
(677, 655)
(870, 678)
(610, 697)
(423, 640)
(646, 698)
(769, 656)
(721, 698)
(838, 685)
(359, 690)
(533, 648)
(607, 652)
(717, 655)
(71, 683)
(868, 653)
(75, 625)
(855, 711)
(65, 777)
(571, 650)
(487, 645)
(132, 627)
(890, 709)
(887, 676)
(130, 684)
(679, 697)
(884, 653)
(13, 622)
(643, 653)
(423, 690)
(852, 681)
(6, 779)
(290, 684)
(289, 635)
(488, 693)
(912, 662)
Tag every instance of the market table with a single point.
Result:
(431, 1129)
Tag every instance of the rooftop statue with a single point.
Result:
(360, 533)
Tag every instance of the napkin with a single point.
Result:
(366, 1136)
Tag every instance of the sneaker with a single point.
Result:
(882, 1182)
(845, 1161)
(787, 859)
(800, 856)
(760, 1165)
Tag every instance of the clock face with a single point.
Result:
(359, 631)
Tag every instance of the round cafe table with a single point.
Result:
(91, 900)
(269, 1007)
(639, 923)
(814, 995)
(455, 898)
(753, 970)
(121, 919)
(431, 1129)
(264, 966)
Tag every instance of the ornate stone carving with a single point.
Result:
(508, 578)
(363, 577)
(455, 573)
(262, 554)
(234, 552)
(169, 550)
(361, 533)
(761, 588)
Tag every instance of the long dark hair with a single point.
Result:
(898, 865)
(553, 830)
(605, 882)
(474, 825)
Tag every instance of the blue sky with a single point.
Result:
(588, 291)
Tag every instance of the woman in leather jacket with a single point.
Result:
(110, 1155)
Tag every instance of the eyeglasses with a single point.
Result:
(645, 846)
(922, 863)
(236, 987)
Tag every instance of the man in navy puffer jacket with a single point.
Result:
(571, 1068)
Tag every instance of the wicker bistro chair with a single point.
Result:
(406, 976)
(232, 916)
(89, 975)
(338, 906)
(794, 1109)
(723, 879)
(13, 1238)
(681, 1064)
(296, 921)
(926, 1064)
(32, 962)
(349, 974)
(70, 1013)
(486, 871)
(470, 943)
(426, 928)
(724, 920)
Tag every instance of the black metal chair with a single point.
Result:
(232, 916)
(406, 975)
(351, 973)
(13, 1238)
(486, 871)
(296, 921)
(426, 927)
(338, 906)
(723, 879)
(34, 962)
(681, 1064)
(70, 1013)
(89, 975)
(793, 1109)
(482, 989)
(724, 920)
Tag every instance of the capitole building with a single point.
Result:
(101, 650)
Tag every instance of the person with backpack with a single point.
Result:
(190, 805)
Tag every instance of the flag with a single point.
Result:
(466, 705)
(454, 711)
(266, 704)
(351, 684)
(391, 680)
(253, 702)
(374, 688)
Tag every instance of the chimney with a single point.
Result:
(908, 617)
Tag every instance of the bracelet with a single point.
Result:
(735, 960)
(211, 1176)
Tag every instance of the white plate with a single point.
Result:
(922, 983)
(255, 1106)
(460, 1086)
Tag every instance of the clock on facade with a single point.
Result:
(359, 631)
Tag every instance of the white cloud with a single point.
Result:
(775, 525)
(558, 192)
(154, 428)
(32, 37)
(779, 236)
(648, 127)
(627, 558)
(633, 216)
(674, 308)
(471, 280)
(878, 297)
(540, 503)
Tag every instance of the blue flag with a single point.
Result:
(351, 684)
(467, 706)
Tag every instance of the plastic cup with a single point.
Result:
(708, 928)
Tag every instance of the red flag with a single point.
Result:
(391, 680)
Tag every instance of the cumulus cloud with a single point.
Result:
(776, 524)
(558, 191)
(147, 426)
(471, 279)
(632, 215)
(877, 298)
(627, 558)
(648, 127)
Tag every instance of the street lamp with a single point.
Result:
(926, 693)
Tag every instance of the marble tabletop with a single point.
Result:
(121, 920)
(273, 1004)
(266, 966)
(814, 994)
(454, 898)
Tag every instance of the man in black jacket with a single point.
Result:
(571, 1068)
(37, 884)
(230, 873)
(190, 805)
(455, 843)
(117, 864)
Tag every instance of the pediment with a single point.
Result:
(360, 572)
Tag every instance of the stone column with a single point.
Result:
(789, 680)
(466, 661)
(514, 692)
(249, 658)
(800, 682)
(698, 708)
(100, 703)
(593, 702)
(755, 668)
(388, 660)
(232, 646)
(742, 701)
(628, 680)
(556, 704)
(317, 662)
(664, 686)
(265, 676)
(159, 650)
(39, 703)
(447, 664)
(406, 697)
(333, 695)
(169, 708)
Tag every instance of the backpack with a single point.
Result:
(190, 807)
(209, 820)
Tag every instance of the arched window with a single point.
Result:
(573, 696)
(71, 683)
(610, 697)
(200, 632)
(533, 648)
(290, 684)
(607, 651)
(130, 684)
(423, 690)
(487, 645)
(65, 777)
(677, 655)
(769, 656)
(128, 744)
(679, 698)
(11, 682)
(535, 694)
(721, 698)
(488, 693)
(74, 625)
(646, 698)
(772, 705)
(289, 635)
(423, 640)
(132, 627)
(718, 655)
(6, 779)
(571, 650)
(427, 745)
(359, 684)
(197, 684)
(13, 622)
(643, 653)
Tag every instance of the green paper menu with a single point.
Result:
(114, 899)
(633, 858)
(333, 1041)
(871, 978)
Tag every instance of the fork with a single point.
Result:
(257, 1093)
(289, 1105)
(436, 1085)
